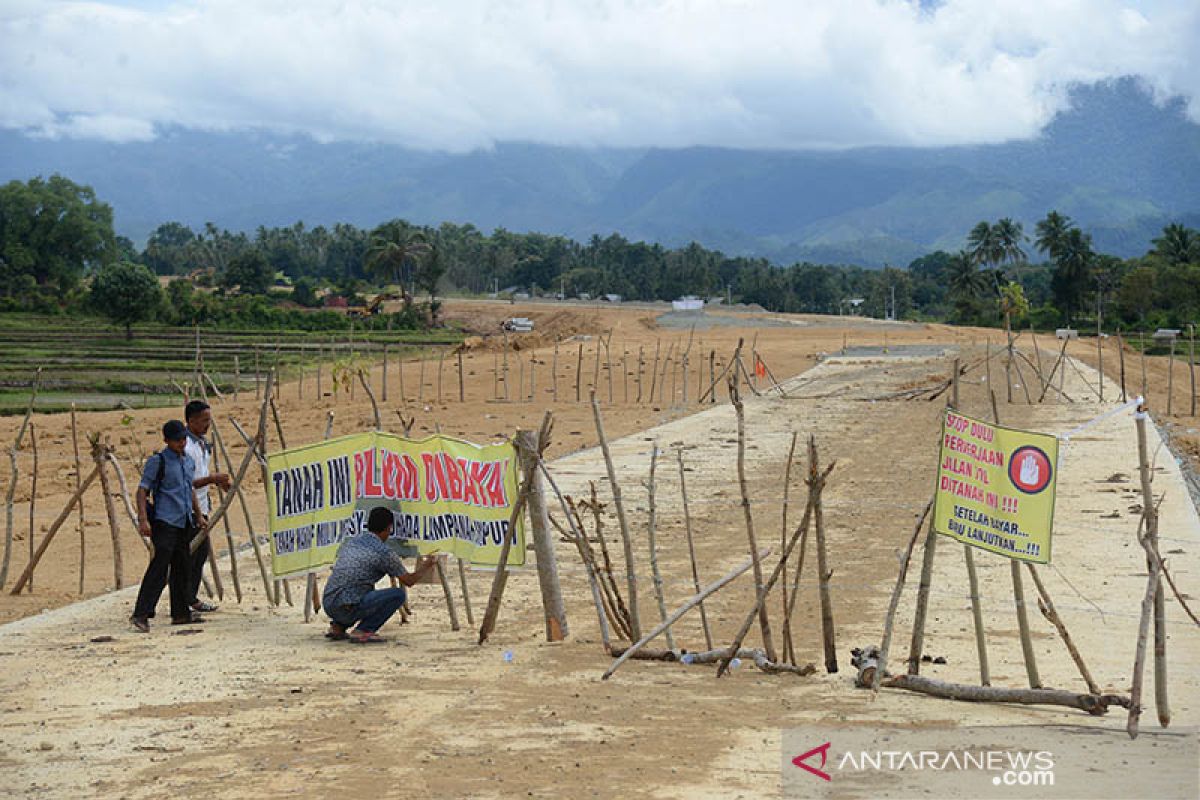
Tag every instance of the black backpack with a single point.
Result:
(154, 488)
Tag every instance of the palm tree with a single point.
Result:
(1051, 232)
(1178, 244)
(394, 246)
(1009, 235)
(983, 245)
(1073, 267)
(965, 282)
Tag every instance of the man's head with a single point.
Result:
(198, 417)
(175, 435)
(379, 522)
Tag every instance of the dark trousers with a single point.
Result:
(171, 560)
(375, 609)
(196, 572)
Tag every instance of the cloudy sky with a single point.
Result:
(461, 74)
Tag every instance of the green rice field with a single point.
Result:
(90, 363)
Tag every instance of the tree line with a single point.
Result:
(56, 238)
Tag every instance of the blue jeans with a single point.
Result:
(372, 612)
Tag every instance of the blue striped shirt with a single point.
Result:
(172, 497)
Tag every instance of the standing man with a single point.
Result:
(168, 475)
(199, 419)
(350, 595)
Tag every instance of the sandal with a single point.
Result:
(336, 634)
(204, 606)
(192, 619)
(366, 637)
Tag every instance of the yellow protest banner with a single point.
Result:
(995, 488)
(447, 496)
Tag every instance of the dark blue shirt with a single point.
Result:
(173, 496)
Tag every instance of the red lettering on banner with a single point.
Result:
(495, 484)
(435, 478)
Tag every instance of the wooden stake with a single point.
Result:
(111, 511)
(462, 386)
(62, 517)
(789, 647)
(641, 363)
(612, 590)
(1031, 670)
(816, 485)
(1121, 357)
(1192, 364)
(421, 380)
(763, 619)
(654, 370)
(554, 372)
(553, 607)
(526, 443)
(1145, 388)
(687, 522)
(237, 378)
(229, 546)
(579, 374)
(918, 634)
(596, 369)
(78, 478)
(694, 601)
(32, 496)
(441, 362)
(1046, 606)
(258, 556)
(1153, 600)
(13, 474)
(890, 619)
(383, 388)
(635, 623)
(371, 396)
(441, 573)
(823, 571)
(1171, 376)
(466, 595)
(651, 538)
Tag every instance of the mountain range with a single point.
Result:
(1119, 163)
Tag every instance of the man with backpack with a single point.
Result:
(198, 417)
(169, 522)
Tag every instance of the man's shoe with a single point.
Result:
(204, 606)
(140, 624)
(190, 619)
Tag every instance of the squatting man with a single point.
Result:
(350, 595)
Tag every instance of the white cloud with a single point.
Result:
(463, 74)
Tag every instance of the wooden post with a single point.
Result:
(1154, 599)
(383, 393)
(972, 576)
(233, 568)
(712, 376)
(466, 595)
(553, 607)
(654, 370)
(596, 369)
(521, 380)
(763, 619)
(370, 396)
(441, 362)
(816, 485)
(12, 479)
(1046, 606)
(421, 382)
(257, 376)
(1171, 377)
(608, 365)
(258, 556)
(78, 478)
(111, 511)
(32, 496)
(1100, 359)
(1192, 363)
(1031, 670)
(579, 374)
(641, 363)
(823, 571)
(237, 378)
(687, 522)
(890, 619)
(554, 372)
(62, 517)
(462, 386)
(526, 443)
(1121, 356)
(789, 647)
(635, 624)
(651, 539)
(918, 633)
(441, 573)
(1142, 342)
(625, 373)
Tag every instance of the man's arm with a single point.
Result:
(201, 520)
(143, 513)
(424, 565)
(220, 478)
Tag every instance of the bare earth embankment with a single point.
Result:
(256, 703)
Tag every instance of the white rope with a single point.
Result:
(1137, 401)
